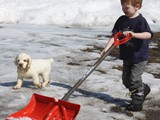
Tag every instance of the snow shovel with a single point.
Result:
(47, 108)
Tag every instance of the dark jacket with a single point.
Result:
(134, 50)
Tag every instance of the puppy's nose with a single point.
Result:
(20, 65)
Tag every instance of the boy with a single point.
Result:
(134, 53)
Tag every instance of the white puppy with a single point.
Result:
(31, 69)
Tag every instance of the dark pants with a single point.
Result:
(131, 76)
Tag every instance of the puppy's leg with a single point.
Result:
(36, 82)
(19, 84)
(46, 79)
(50, 79)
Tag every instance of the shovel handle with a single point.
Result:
(118, 42)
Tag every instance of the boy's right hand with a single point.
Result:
(102, 52)
(109, 44)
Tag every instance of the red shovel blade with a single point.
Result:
(46, 108)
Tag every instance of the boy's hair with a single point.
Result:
(133, 2)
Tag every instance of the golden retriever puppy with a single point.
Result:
(31, 69)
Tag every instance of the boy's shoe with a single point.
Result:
(137, 101)
(134, 107)
(146, 90)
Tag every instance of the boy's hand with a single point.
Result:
(102, 52)
(126, 33)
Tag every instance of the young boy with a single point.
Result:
(134, 53)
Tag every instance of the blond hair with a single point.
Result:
(133, 2)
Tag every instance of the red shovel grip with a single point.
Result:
(121, 41)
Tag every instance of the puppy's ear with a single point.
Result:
(15, 60)
(29, 61)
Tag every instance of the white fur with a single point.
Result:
(31, 69)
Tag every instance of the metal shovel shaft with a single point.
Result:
(88, 73)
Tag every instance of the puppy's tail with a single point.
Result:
(51, 60)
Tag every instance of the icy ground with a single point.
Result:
(98, 96)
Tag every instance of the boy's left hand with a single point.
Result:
(126, 33)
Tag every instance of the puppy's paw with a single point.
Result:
(16, 87)
(39, 85)
(46, 83)
(43, 85)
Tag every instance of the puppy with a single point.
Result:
(31, 69)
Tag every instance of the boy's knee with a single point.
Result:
(126, 84)
(125, 81)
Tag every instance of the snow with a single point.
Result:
(73, 12)
(21, 118)
(63, 30)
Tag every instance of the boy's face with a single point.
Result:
(129, 10)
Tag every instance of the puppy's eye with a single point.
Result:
(25, 60)
(18, 60)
